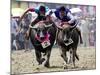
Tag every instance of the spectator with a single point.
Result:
(14, 29)
(85, 31)
(23, 29)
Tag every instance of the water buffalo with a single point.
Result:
(68, 51)
(42, 36)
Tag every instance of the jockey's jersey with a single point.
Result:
(41, 17)
(64, 18)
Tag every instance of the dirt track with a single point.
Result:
(25, 62)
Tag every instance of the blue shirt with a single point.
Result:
(14, 26)
(68, 16)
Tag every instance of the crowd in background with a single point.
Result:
(18, 32)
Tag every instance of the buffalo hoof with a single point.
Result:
(47, 65)
(65, 67)
(39, 63)
(42, 60)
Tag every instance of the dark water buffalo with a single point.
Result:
(68, 52)
(43, 37)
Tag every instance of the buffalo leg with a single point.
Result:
(74, 54)
(47, 64)
(63, 55)
(38, 57)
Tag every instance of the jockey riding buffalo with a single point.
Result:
(42, 33)
(68, 35)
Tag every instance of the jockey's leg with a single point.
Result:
(79, 32)
(57, 36)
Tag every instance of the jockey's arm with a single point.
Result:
(30, 9)
(56, 18)
(58, 23)
(72, 18)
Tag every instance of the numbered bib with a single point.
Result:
(45, 44)
(70, 42)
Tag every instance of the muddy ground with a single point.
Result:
(25, 62)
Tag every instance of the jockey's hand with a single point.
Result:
(48, 18)
(65, 22)
(60, 27)
(41, 23)
(31, 10)
(64, 25)
(47, 15)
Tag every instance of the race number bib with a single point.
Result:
(45, 44)
(70, 42)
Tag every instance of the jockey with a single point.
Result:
(40, 11)
(64, 15)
